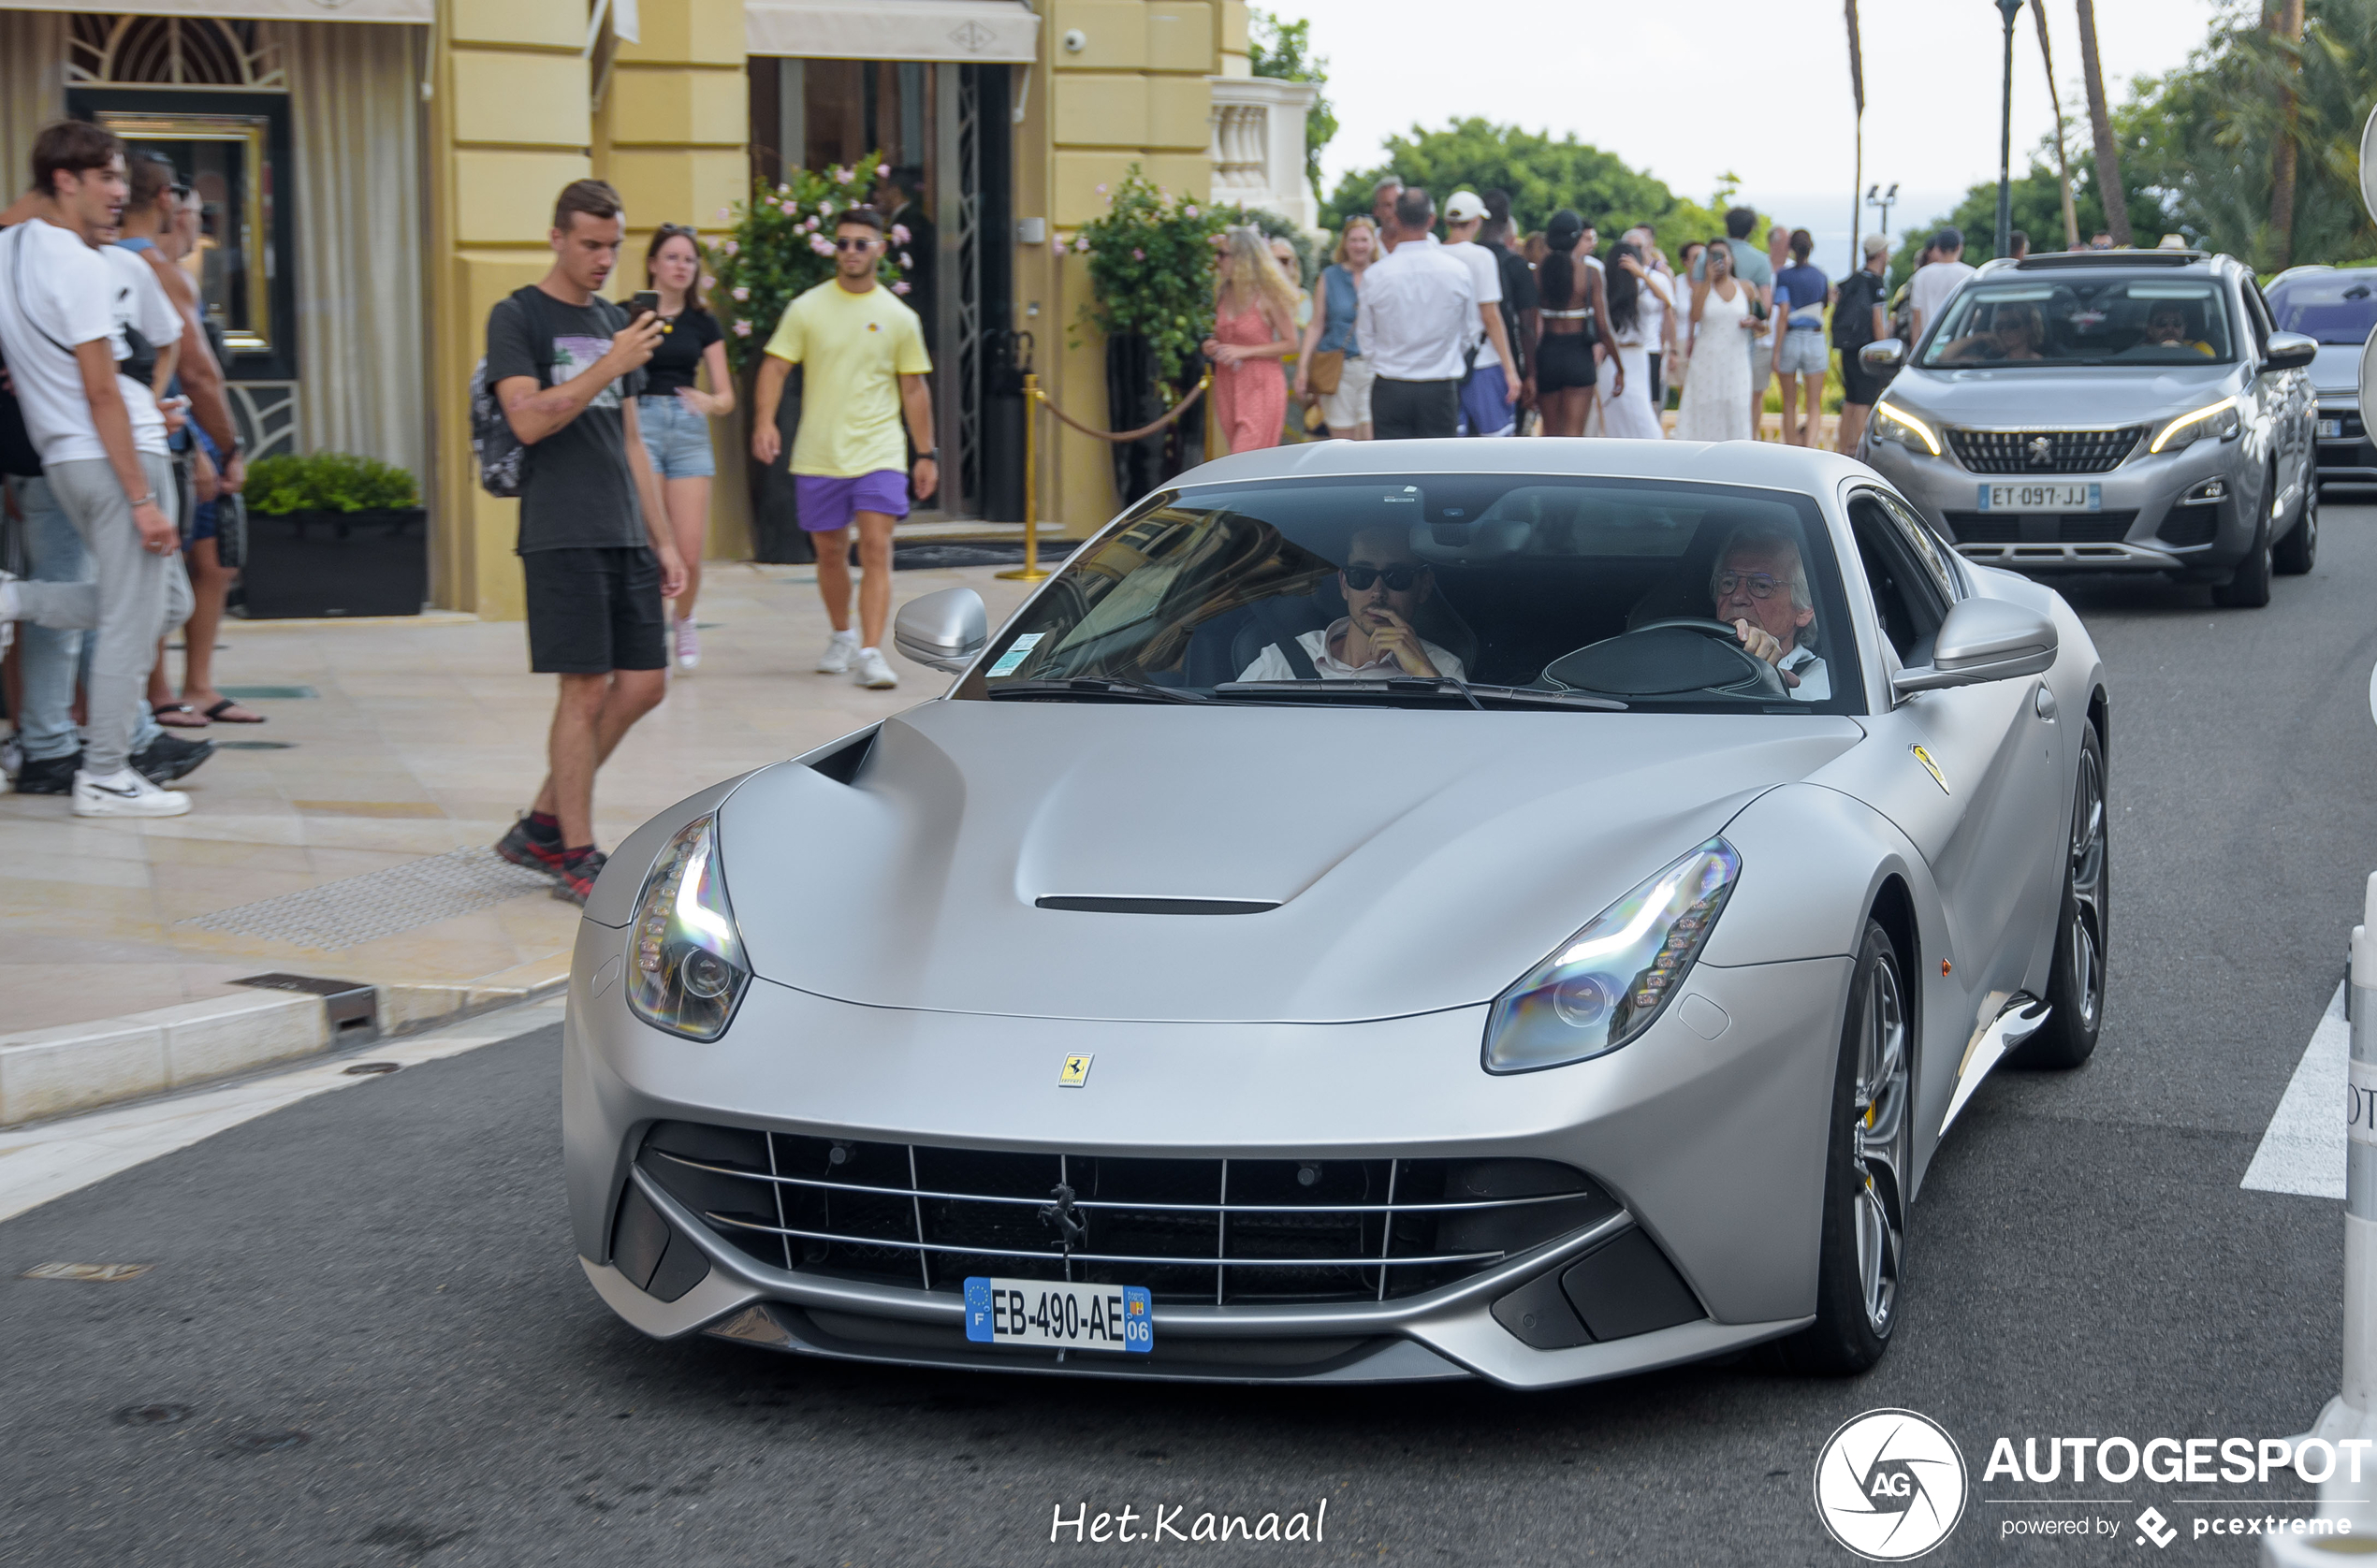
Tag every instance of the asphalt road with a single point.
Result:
(366, 1315)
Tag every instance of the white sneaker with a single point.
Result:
(11, 756)
(689, 645)
(9, 610)
(124, 794)
(873, 672)
(841, 652)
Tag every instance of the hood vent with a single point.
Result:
(1088, 904)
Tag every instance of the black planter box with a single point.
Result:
(373, 562)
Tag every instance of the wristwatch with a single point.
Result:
(931, 456)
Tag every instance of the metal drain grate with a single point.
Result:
(379, 903)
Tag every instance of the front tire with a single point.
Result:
(2076, 986)
(2299, 550)
(1867, 1168)
(2249, 587)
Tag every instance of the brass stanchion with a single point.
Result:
(1029, 571)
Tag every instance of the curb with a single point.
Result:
(62, 1071)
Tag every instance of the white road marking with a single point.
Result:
(2303, 1149)
(40, 1163)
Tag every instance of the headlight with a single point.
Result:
(1609, 981)
(1891, 423)
(690, 969)
(2216, 420)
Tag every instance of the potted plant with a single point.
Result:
(779, 244)
(1151, 268)
(331, 533)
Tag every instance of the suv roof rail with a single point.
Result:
(2157, 257)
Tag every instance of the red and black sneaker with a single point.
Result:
(574, 878)
(523, 847)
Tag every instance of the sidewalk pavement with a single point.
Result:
(397, 751)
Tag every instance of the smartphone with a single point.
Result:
(647, 302)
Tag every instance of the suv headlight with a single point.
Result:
(2214, 419)
(1891, 423)
(1610, 980)
(689, 965)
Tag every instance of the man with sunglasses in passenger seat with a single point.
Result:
(1759, 588)
(1384, 583)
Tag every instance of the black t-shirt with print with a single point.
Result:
(677, 361)
(576, 490)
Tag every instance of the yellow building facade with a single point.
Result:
(412, 148)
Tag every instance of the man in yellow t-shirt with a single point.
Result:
(864, 366)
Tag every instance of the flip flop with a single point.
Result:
(179, 716)
(221, 713)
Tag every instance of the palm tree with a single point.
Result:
(2286, 29)
(2063, 156)
(2109, 151)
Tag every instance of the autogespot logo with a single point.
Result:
(1889, 1485)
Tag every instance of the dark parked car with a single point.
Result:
(2338, 307)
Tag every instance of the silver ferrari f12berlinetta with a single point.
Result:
(1521, 910)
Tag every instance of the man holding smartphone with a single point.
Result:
(566, 365)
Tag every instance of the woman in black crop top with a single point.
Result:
(674, 412)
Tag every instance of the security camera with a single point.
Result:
(1075, 42)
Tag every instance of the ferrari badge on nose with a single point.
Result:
(1076, 1074)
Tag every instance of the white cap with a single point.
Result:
(1463, 208)
(1877, 244)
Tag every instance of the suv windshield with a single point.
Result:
(2333, 307)
(2085, 319)
(1447, 590)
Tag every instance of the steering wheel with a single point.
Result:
(1768, 679)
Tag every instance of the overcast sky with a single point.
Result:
(1687, 89)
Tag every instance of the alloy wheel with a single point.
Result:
(1884, 1138)
(2086, 879)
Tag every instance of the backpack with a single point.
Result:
(1853, 311)
(502, 459)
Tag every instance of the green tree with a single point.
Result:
(1543, 176)
(2039, 211)
(1283, 52)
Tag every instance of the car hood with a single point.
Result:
(2336, 371)
(2083, 395)
(1418, 859)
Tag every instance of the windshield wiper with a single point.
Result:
(1393, 686)
(1097, 686)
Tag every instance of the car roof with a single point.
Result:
(2062, 261)
(1765, 464)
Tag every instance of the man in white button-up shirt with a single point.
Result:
(1418, 308)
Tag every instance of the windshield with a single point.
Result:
(2085, 320)
(2333, 307)
(1446, 590)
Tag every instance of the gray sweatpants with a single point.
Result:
(134, 598)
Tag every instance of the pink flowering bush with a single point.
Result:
(1150, 260)
(779, 244)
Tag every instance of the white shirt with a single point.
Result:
(1485, 277)
(1419, 306)
(1935, 286)
(55, 292)
(1273, 665)
(1815, 684)
(1652, 303)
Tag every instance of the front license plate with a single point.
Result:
(2042, 497)
(2330, 430)
(1116, 1318)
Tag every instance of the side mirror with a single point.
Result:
(942, 630)
(2290, 351)
(1983, 640)
(1887, 355)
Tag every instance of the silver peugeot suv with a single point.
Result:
(2108, 410)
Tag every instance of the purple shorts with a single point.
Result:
(826, 504)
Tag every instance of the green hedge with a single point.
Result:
(328, 482)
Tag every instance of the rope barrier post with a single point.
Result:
(1029, 571)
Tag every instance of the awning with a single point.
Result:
(422, 11)
(978, 30)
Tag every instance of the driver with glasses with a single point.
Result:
(1760, 587)
(1384, 585)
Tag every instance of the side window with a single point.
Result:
(1908, 598)
(2257, 311)
(1930, 553)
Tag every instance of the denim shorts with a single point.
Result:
(676, 438)
(1805, 353)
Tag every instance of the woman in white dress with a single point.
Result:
(1716, 389)
(1638, 299)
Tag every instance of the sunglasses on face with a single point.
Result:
(853, 241)
(1758, 583)
(1399, 576)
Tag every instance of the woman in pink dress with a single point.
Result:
(1254, 329)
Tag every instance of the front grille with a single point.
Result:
(2349, 418)
(1209, 1230)
(2067, 451)
(2013, 528)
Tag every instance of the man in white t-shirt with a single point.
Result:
(1490, 392)
(68, 316)
(1418, 308)
(1935, 285)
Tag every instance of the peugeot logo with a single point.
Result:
(1058, 1218)
(2042, 449)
